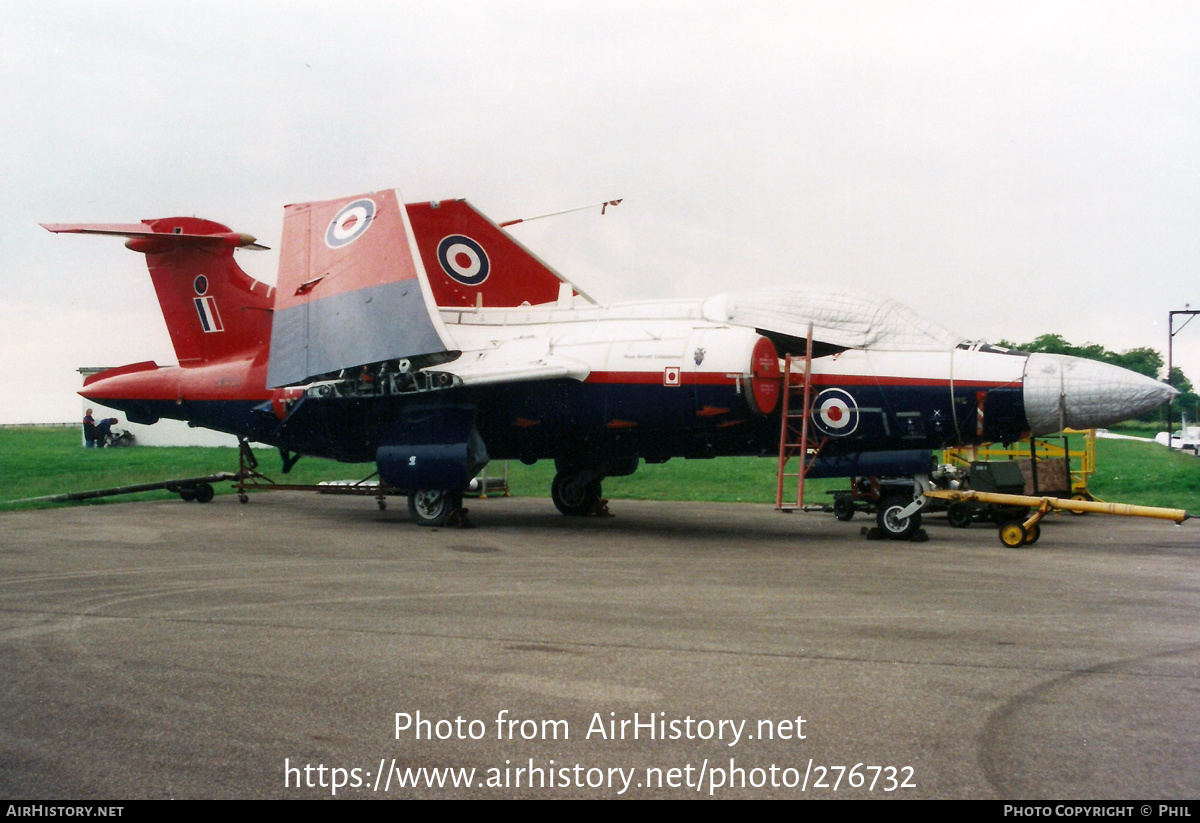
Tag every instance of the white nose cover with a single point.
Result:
(1071, 392)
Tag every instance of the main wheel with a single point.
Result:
(431, 507)
(890, 522)
(1013, 534)
(843, 508)
(960, 514)
(573, 498)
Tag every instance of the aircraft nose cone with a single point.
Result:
(1072, 392)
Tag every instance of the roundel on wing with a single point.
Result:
(463, 260)
(835, 413)
(350, 223)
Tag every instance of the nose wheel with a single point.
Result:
(890, 521)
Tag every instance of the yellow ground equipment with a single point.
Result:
(1017, 533)
(1061, 471)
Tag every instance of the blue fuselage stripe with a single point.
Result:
(548, 419)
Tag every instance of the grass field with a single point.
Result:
(36, 462)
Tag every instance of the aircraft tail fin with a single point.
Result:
(213, 309)
(470, 261)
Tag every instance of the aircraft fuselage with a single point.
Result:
(660, 382)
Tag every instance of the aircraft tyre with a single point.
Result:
(960, 514)
(843, 508)
(432, 507)
(572, 498)
(204, 493)
(890, 524)
(1013, 534)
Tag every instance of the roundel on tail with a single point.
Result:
(463, 260)
(349, 224)
(835, 413)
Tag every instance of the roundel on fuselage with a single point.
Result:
(463, 260)
(835, 412)
(349, 224)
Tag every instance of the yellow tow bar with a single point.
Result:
(1017, 533)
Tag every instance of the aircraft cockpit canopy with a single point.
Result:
(840, 320)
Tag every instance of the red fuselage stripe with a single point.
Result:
(721, 378)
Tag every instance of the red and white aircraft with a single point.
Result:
(425, 339)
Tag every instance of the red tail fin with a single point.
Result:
(469, 259)
(213, 309)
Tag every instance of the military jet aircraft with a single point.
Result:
(424, 338)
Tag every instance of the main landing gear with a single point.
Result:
(435, 507)
(576, 490)
(577, 494)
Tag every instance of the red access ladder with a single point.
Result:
(794, 439)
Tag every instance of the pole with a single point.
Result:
(1171, 360)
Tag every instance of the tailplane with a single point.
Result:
(213, 309)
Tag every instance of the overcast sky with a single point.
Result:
(1008, 169)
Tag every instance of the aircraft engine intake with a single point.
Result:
(766, 378)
